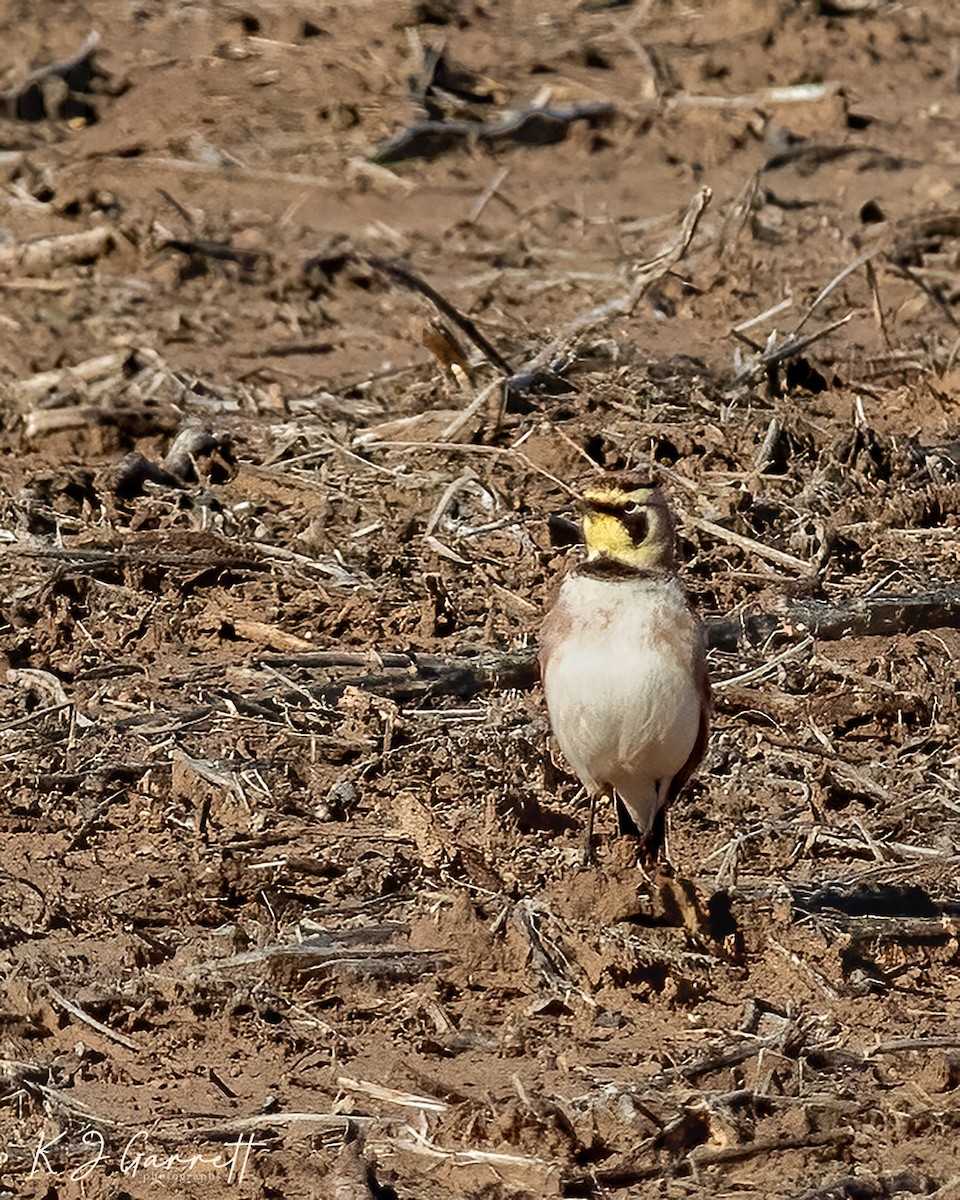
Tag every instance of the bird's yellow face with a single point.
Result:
(630, 525)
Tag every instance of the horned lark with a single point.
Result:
(623, 662)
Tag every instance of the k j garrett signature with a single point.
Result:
(53, 1156)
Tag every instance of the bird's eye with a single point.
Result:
(636, 522)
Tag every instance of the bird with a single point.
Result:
(623, 662)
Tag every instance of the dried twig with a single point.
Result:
(866, 616)
(798, 93)
(364, 951)
(217, 554)
(773, 311)
(477, 405)
(775, 354)
(808, 972)
(279, 1119)
(643, 277)
(419, 1144)
(57, 1100)
(751, 545)
(948, 1041)
(766, 668)
(399, 274)
(236, 171)
(878, 306)
(45, 254)
(33, 717)
(722, 1060)
(404, 679)
(510, 452)
(391, 1096)
(737, 217)
(526, 915)
(877, 1187)
(630, 1172)
(487, 194)
(704, 1156)
(29, 390)
(933, 293)
(834, 282)
(76, 1011)
(443, 504)
(415, 677)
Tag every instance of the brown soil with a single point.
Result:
(336, 908)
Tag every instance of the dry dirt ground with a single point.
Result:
(290, 879)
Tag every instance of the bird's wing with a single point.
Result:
(703, 732)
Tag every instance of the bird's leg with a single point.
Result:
(630, 829)
(656, 844)
(628, 826)
(654, 862)
(586, 848)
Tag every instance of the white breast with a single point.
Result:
(620, 664)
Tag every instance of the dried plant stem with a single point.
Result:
(76, 1011)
